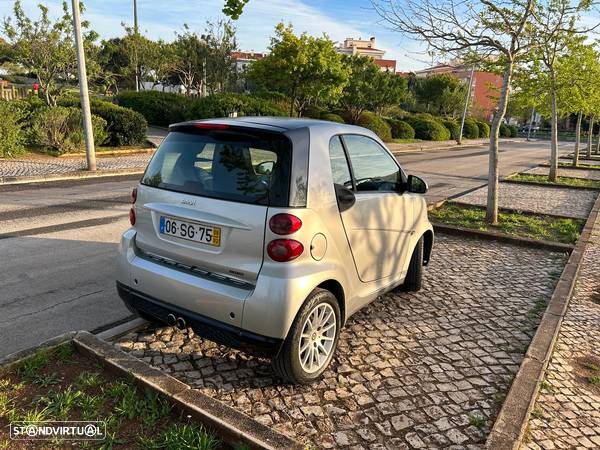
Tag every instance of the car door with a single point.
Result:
(379, 224)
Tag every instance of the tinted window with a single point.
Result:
(226, 165)
(339, 164)
(374, 168)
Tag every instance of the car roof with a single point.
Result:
(277, 123)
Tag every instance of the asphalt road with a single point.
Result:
(58, 241)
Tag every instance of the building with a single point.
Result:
(243, 59)
(368, 48)
(484, 90)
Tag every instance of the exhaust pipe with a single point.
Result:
(181, 323)
(171, 320)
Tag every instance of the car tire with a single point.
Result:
(296, 364)
(414, 277)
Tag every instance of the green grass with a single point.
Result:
(560, 181)
(545, 386)
(406, 141)
(534, 226)
(595, 380)
(580, 165)
(477, 421)
(591, 366)
(181, 437)
(537, 414)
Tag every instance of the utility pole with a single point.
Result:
(466, 108)
(90, 152)
(530, 122)
(135, 31)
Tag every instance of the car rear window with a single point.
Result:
(249, 167)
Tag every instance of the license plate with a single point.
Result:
(196, 232)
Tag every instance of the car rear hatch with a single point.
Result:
(202, 202)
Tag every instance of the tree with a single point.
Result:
(220, 66)
(190, 56)
(442, 93)
(306, 69)
(46, 48)
(495, 29)
(369, 88)
(234, 8)
(554, 29)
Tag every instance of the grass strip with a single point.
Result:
(560, 181)
(534, 226)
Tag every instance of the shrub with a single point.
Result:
(504, 130)
(401, 129)
(430, 130)
(159, 108)
(124, 126)
(453, 127)
(470, 130)
(484, 129)
(60, 129)
(12, 135)
(313, 111)
(376, 124)
(223, 105)
(332, 117)
(513, 130)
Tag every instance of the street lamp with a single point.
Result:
(466, 108)
(135, 31)
(90, 152)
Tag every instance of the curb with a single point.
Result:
(502, 237)
(568, 166)
(112, 153)
(419, 149)
(231, 425)
(77, 175)
(509, 429)
(122, 329)
(550, 185)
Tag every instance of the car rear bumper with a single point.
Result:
(203, 326)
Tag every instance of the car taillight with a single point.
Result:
(284, 224)
(282, 250)
(132, 216)
(211, 126)
(134, 195)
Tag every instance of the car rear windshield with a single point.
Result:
(242, 166)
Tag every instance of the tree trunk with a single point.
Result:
(577, 138)
(597, 144)
(491, 216)
(554, 138)
(590, 136)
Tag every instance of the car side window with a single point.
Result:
(339, 164)
(373, 167)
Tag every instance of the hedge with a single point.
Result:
(513, 131)
(376, 124)
(470, 130)
(453, 127)
(401, 129)
(124, 126)
(331, 117)
(164, 108)
(484, 129)
(504, 130)
(430, 130)
(12, 133)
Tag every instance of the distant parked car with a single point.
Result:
(267, 234)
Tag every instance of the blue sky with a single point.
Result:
(338, 18)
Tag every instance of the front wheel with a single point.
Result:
(312, 340)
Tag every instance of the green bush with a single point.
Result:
(313, 112)
(504, 130)
(513, 130)
(430, 130)
(470, 130)
(60, 129)
(159, 108)
(453, 127)
(331, 117)
(223, 105)
(124, 126)
(484, 129)
(376, 124)
(12, 135)
(401, 129)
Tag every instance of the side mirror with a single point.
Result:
(265, 168)
(345, 197)
(416, 185)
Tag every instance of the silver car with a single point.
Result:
(267, 234)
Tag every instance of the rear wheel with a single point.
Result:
(312, 340)
(414, 277)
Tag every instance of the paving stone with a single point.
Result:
(476, 302)
(576, 203)
(568, 404)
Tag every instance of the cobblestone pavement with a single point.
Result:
(567, 411)
(590, 174)
(576, 203)
(412, 370)
(53, 166)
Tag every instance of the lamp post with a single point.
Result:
(135, 31)
(90, 152)
(466, 108)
